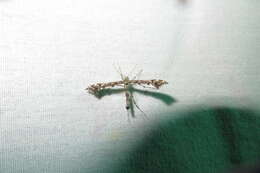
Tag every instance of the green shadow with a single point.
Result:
(165, 98)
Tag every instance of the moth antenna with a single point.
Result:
(138, 74)
(138, 107)
(130, 73)
(119, 71)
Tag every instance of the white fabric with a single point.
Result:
(50, 51)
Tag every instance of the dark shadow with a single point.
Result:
(199, 140)
(107, 92)
(246, 169)
(165, 98)
(227, 129)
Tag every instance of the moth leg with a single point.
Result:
(138, 106)
(118, 69)
(128, 116)
(130, 73)
(129, 103)
(137, 75)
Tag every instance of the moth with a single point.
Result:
(127, 83)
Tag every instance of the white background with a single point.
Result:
(50, 51)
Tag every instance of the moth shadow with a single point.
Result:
(165, 98)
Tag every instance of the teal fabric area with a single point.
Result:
(211, 140)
